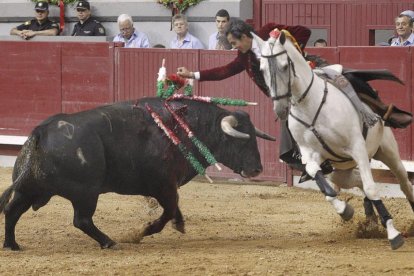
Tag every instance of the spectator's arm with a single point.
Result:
(15, 31)
(223, 72)
(29, 33)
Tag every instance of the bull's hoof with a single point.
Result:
(348, 212)
(11, 246)
(397, 242)
(179, 227)
(108, 244)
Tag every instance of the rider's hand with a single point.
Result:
(184, 73)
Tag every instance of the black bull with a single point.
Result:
(119, 148)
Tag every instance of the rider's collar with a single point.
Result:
(255, 49)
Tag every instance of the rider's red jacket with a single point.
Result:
(248, 61)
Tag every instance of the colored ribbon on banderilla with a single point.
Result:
(220, 101)
(198, 167)
(201, 147)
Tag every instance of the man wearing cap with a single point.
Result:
(40, 25)
(86, 26)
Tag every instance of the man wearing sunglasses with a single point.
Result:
(87, 26)
(40, 25)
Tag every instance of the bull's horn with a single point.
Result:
(264, 135)
(227, 124)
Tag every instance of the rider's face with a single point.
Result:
(243, 44)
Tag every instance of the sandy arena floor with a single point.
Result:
(231, 230)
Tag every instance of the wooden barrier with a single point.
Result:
(43, 78)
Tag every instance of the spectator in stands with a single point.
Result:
(320, 43)
(129, 35)
(158, 46)
(86, 26)
(218, 40)
(410, 13)
(40, 25)
(404, 29)
(183, 40)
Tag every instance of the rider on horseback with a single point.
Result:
(239, 35)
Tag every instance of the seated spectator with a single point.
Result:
(40, 25)
(404, 29)
(183, 40)
(410, 13)
(218, 40)
(320, 43)
(86, 26)
(131, 37)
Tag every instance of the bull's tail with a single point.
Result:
(23, 169)
(5, 197)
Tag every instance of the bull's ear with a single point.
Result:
(260, 42)
(282, 38)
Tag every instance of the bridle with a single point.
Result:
(310, 126)
(273, 76)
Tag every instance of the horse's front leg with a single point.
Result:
(313, 168)
(371, 191)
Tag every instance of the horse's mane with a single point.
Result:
(317, 60)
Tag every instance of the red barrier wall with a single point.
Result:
(39, 79)
(30, 87)
(87, 75)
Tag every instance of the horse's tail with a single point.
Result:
(22, 167)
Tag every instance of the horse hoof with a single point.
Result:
(348, 212)
(109, 244)
(397, 242)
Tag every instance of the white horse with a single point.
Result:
(326, 126)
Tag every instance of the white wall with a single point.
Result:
(149, 16)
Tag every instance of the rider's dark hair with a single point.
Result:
(238, 27)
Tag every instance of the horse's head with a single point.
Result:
(278, 71)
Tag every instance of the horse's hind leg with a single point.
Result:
(13, 211)
(389, 155)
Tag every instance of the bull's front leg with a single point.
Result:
(168, 200)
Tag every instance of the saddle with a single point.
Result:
(392, 116)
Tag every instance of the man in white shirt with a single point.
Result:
(404, 29)
(183, 40)
(218, 40)
(131, 37)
